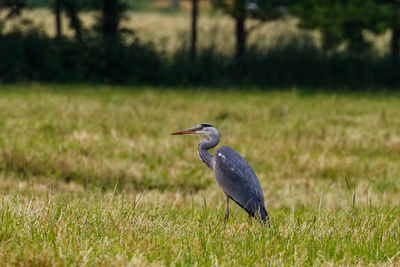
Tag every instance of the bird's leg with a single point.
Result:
(226, 208)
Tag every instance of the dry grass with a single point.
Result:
(96, 139)
(92, 177)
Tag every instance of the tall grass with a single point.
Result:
(113, 231)
(90, 176)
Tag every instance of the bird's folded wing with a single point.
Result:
(238, 180)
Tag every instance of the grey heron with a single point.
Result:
(233, 173)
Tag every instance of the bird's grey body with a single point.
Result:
(238, 180)
(233, 173)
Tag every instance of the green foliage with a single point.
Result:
(38, 3)
(88, 4)
(344, 21)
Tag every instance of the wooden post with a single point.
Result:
(58, 18)
(193, 43)
(175, 4)
(395, 44)
(241, 33)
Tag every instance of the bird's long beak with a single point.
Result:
(187, 131)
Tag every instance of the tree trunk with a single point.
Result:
(58, 18)
(241, 33)
(395, 43)
(72, 12)
(175, 4)
(193, 43)
(110, 18)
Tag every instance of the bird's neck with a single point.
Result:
(204, 146)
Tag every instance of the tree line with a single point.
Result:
(341, 24)
(108, 23)
(338, 21)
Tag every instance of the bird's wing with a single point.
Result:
(238, 179)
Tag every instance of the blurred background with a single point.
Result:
(322, 44)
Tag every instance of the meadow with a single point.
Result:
(90, 176)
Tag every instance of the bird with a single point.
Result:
(233, 173)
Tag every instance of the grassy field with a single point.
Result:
(90, 176)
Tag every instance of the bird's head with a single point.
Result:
(203, 129)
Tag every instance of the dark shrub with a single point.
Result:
(33, 56)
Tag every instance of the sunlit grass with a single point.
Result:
(91, 176)
(114, 230)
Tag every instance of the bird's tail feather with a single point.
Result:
(261, 213)
(264, 216)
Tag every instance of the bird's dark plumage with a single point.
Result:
(238, 180)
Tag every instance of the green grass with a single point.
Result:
(90, 176)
